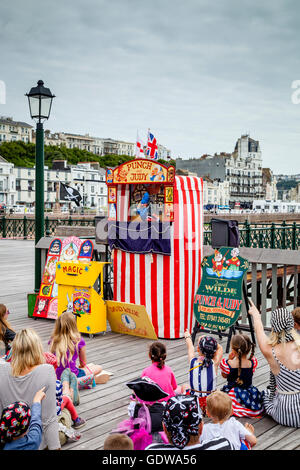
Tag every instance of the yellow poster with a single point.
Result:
(130, 319)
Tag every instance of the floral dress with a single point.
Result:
(247, 400)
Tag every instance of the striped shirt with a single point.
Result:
(202, 379)
(284, 406)
(218, 443)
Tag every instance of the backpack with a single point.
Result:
(137, 428)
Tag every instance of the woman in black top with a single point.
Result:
(6, 333)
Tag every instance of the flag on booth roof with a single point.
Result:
(139, 149)
(152, 147)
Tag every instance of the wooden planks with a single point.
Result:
(106, 405)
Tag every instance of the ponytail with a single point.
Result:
(158, 354)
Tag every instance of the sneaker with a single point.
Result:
(78, 423)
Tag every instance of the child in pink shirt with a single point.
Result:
(159, 372)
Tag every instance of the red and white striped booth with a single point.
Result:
(165, 285)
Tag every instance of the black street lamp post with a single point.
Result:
(40, 103)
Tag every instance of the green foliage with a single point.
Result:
(23, 154)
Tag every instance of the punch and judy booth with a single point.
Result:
(77, 295)
(155, 232)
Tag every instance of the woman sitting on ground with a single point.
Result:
(24, 375)
(282, 351)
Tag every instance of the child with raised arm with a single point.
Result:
(203, 369)
(219, 409)
(21, 426)
(238, 369)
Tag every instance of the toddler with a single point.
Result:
(219, 409)
(118, 441)
(63, 400)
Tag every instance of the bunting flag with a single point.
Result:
(152, 147)
(67, 193)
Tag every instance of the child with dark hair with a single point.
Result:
(238, 369)
(159, 372)
(21, 426)
(203, 369)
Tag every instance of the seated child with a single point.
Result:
(20, 426)
(238, 369)
(204, 368)
(118, 442)
(219, 409)
(63, 399)
(159, 372)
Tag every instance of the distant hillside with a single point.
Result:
(23, 154)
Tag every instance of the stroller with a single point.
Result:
(145, 423)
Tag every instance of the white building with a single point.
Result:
(89, 179)
(216, 193)
(263, 205)
(11, 131)
(7, 183)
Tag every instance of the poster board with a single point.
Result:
(77, 295)
(69, 249)
(218, 300)
(130, 319)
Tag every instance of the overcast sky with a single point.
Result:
(197, 73)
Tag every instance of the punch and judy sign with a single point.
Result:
(218, 301)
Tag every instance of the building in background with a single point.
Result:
(87, 178)
(12, 131)
(242, 169)
(7, 183)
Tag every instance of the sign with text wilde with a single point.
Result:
(218, 301)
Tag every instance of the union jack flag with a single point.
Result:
(152, 147)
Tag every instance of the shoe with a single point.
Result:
(102, 378)
(78, 423)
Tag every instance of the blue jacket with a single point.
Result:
(32, 440)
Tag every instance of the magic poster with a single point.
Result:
(218, 301)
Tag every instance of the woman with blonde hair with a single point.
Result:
(282, 351)
(7, 334)
(68, 346)
(24, 376)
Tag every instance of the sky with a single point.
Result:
(198, 73)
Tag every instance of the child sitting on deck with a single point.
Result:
(238, 369)
(219, 409)
(159, 372)
(203, 369)
(68, 346)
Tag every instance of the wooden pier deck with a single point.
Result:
(106, 405)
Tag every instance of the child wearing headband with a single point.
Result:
(21, 426)
(238, 369)
(203, 369)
